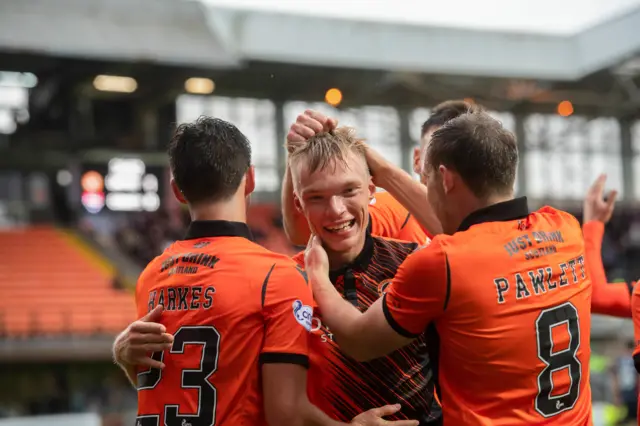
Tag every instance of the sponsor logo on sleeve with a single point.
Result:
(303, 314)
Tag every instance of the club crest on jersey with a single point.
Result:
(303, 314)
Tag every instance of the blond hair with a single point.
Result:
(326, 149)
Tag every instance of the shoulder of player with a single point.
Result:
(153, 268)
(284, 277)
(558, 215)
(278, 264)
(426, 260)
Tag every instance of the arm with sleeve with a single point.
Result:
(608, 298)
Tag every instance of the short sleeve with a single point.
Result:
(419, 292)
(287, 307)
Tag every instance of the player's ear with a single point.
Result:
(447, 178)
(417, 167)
(177, 193)
(297, 203)
(372, 189)
(250, 183)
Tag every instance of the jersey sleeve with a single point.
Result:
(287, 307)
(419, 291)
(608, 298)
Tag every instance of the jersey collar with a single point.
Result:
(217, 228)
(518, 208)
(361, 262)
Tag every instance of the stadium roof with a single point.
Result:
(154, 31)
(280, 37)
(199, 34)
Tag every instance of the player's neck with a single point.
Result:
(340, 259)
(489, 201)
(472, 204)
(232, 210)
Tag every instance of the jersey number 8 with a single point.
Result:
(197, 378)
(546, 404)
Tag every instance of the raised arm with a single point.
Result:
(608, 298)
(409, 192)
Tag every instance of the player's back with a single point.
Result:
(515, 332)
(213, 288)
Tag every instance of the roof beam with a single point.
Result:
(157, 31)
(319, 41)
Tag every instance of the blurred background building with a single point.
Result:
(90, 91)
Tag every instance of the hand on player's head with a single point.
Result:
(134, 345)
(307, 125)
(374, 417)
(596, 207)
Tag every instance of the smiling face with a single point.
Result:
(335, 198)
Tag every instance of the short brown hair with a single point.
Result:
(448, 110)
(479, 149)
(325, 149)
(208, 159)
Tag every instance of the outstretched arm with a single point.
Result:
(392, 321)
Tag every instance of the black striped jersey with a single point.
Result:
(343, 387)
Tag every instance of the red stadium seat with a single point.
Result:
(52, 286)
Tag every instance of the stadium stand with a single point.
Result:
(265, 221)
(53, 285)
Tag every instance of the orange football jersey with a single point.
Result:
(388, 218)
(231, 306)
(508, 301)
